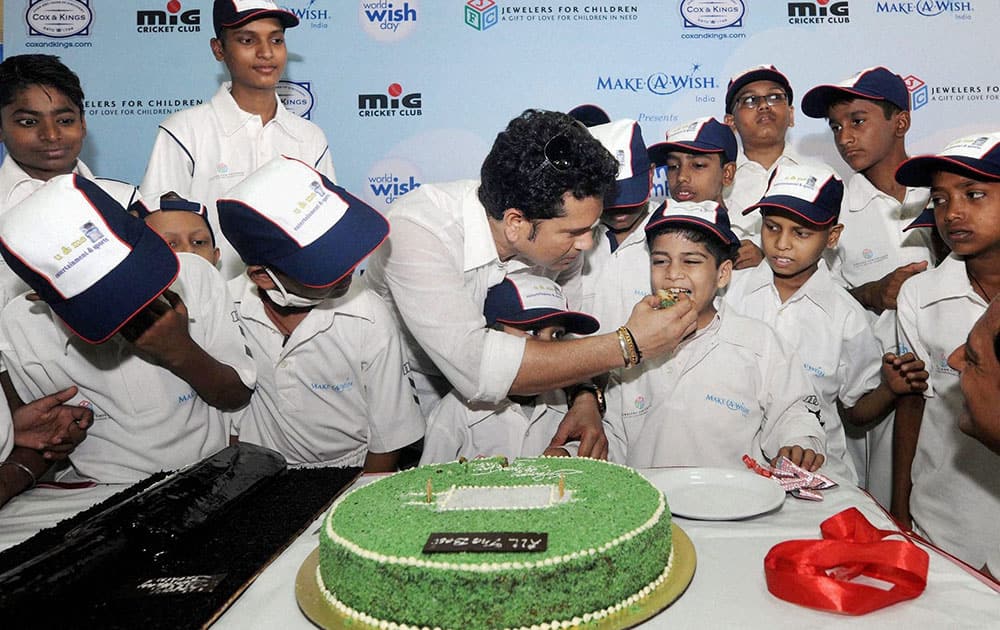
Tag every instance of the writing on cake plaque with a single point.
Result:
(486, 542)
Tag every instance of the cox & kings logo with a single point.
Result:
(388, 20)
(481, 14)
(391, 103)
(172, 20)
(712, 14)
(819, 12)
(297, 97)
(58, 18)
(661, 83)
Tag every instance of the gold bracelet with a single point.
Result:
(34, 479)
(634, 346)
(623, 344)
(629, 351)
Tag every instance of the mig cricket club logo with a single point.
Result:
(171, 18)
(59, 19)
(395, 102)
(819, 12)
(388, 20)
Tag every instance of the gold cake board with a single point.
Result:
(320, 612)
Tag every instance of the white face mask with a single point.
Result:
(281, 297)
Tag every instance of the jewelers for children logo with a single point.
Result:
(388, 20)
(485, 14)
(59, 18)
(918, 91)
(297, 97)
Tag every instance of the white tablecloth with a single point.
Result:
(728, 590)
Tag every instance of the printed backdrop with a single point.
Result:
(415, 91)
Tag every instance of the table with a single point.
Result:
(728, 590)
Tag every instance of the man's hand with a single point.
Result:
(160, 331)
(881, 295)
(49, 426)
(583, 422)
(657, 331)
(804, 457)
(904, 374)
(749, 255)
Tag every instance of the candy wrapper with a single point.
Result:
(797, 481)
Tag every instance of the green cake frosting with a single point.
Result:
(608, 539)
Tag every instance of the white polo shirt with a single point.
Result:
(873, 243)
(456, 429)
(16, 185)
(202, 152)
(336, 389)
(434, 272)
(734, 388)
(830, 333)
(749, 185)
(614, 281)
(145, 418)
(955, 499)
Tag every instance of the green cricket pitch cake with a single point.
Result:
(546, 542)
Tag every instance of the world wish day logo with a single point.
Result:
(390, 179)
(388, 20)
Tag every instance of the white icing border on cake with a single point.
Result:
(495, 566)
(597, 615)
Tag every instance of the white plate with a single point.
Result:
(716, 494)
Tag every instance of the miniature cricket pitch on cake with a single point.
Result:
(609, 547)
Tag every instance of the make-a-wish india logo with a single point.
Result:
(661, 83)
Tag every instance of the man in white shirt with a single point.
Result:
(541, 192)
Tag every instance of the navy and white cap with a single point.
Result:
(976, 157)
(171, 202)
(526, 300)
(756, 73)
(590, 115)
(92, 262)
(874, 84)
(812, 193)
(288, 216)
(623, 138)
(232, 13)
(706, 216)
(701, 135)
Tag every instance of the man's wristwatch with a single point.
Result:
(602, 405)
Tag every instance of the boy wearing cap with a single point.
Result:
(541, 192)
(795, 294)
(700, 157)
(204, 151)
(522, 305)
(157, 389)
(614, 269)
(183, 225)
(42, 127)
(869, 115)
(332, 382)
(677, 411)
(944, 481)
(759, 109)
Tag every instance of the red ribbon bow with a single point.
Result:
(821, 573)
